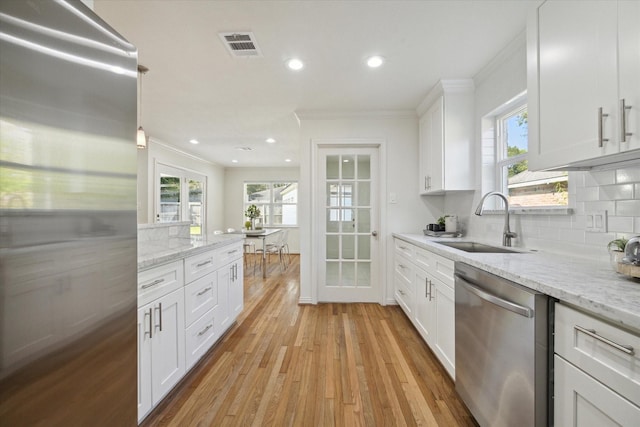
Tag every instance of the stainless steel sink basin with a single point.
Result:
(478, 247)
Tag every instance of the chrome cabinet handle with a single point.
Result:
(204, 291)
(150, 323)
(402, 247)
(425, 182)
(601, 138)
(203, 263)
(592, 333)
(202, 332)
(155, 282)
(401, 292)
(159, 308)
(430, 290)
(402, 266)
(232, 252)
(493, 299)
(426, 286)
(623, 121)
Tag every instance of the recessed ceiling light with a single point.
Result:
(287, 160)
(295, 64)
(194, 141)
(270, 140)
(375, 61)
(234, 161)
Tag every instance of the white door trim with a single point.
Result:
(381, 145)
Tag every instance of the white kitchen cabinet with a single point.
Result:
(582, 63)
(161, 349)
(424, 288)
(231, 280)
(596, 373)
(446, 152)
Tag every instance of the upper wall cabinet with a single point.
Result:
(446, 138)
(584, 84)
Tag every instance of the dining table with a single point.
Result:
(261, 235)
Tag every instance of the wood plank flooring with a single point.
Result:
(285, 364)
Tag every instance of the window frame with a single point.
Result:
(271, 204)
(492, 163)
(185, 176)
(502, 159)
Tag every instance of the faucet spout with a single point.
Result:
(507, 234)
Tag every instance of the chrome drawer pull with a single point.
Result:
(155, 282)
(592, 333)
(204, 291)
(401, 292)
(623, 121)
(203, 263)
(232, 252)
(601, 138)
(202, 332)
(402, 266)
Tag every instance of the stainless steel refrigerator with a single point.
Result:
(68, 269)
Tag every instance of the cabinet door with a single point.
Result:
(224, 284)
(424, 305)
(576, 75)
(236, 291)
(444, 344)
(145, 319)
(167, 344)
(629, 74)
(580, 400)
(431, 148)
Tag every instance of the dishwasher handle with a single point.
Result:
(493, 299)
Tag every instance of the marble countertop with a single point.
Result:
(152, 253)
(592, 286)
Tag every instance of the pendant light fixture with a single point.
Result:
(141, 137)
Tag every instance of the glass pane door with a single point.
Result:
(196, 205)
(348, 209)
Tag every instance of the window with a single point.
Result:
(180, 197)
(277, 201)
(523, 187)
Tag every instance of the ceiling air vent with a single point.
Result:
(241, 44)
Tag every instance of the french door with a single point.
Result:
(347, 212)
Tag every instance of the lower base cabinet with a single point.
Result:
(161, 358)
(596, 371)
(424, 288)
(580, 400)
(177, 329)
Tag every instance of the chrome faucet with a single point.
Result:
(507, 234)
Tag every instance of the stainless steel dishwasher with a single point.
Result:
(501, 349)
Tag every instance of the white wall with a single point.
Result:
(158, 152)
(234, 179)
(616, 191)
(410, 213)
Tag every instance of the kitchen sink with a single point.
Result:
(478, 247)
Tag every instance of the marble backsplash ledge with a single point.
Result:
(164, 232)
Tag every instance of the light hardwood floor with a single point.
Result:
(285, 364)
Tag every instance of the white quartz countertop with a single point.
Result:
(583, 283)
(152, 253)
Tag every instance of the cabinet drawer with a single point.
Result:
(200, 296)
(442, 268)
(200, 337)
(403, 269)
(404, 295)
(200, 265)
(590, 344)
(159, 281)
(228, 254)
(423, 258)
(405, 249)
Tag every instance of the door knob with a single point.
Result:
(374, 233)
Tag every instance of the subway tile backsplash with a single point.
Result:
(614, 191)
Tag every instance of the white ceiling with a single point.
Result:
(196, 89)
